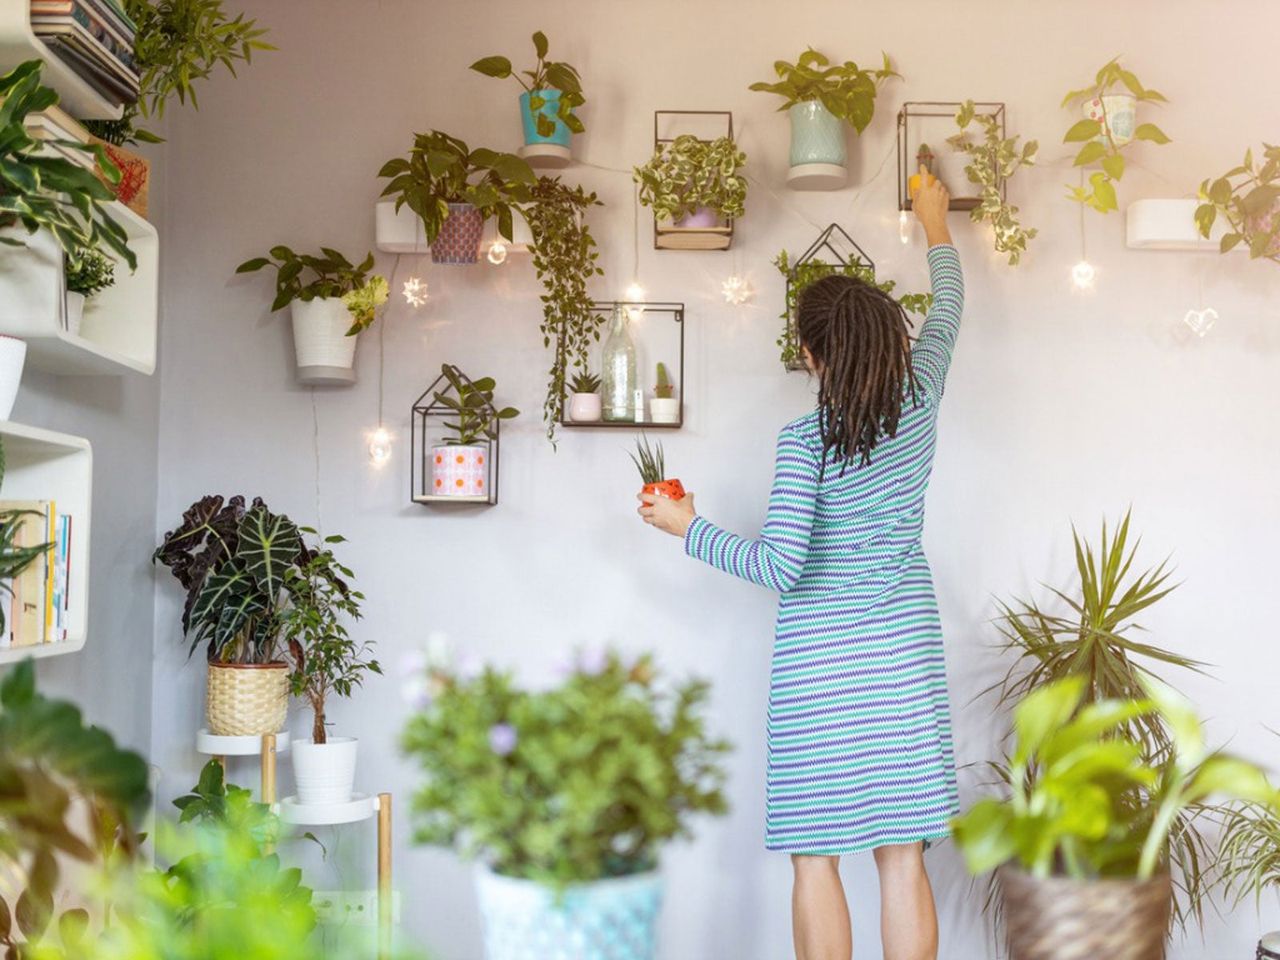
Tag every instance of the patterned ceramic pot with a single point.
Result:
(551, 103)
(671, 489)
(817, 135)
(584, 407)
(605, 920)
(459, 239)
(324, 352)
(458, 471)
(1265, 223)
(1121, 114)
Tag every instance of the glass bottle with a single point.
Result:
(619, 369)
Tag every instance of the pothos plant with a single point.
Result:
(331, 275)
(801, 275)
(546, 75)
(845, 89)
(689, 174)
(470, 403)
(1247, 197)
(1102, 144)
(564, 257)
(994, 160)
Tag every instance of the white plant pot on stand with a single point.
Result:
(324, 773)
(13, 356)
(325, 354)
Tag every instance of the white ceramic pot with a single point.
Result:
(75, 311)
(13, 356)
(584, 407)
(325, 354)
(664, 410)
(324, 772)
(1121, 114)
(458, 471)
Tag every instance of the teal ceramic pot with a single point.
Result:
(612, 919)
(817, 135)
(458, 241)
(551, 102)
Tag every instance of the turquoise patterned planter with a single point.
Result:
(551, 103)
(817, 135)
(605, 920)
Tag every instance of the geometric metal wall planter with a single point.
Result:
(833, 252)
(931, 123)
(714, 234)
(451, 474)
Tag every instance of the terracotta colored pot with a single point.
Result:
(671, 489)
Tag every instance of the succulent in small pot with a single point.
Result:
(652, 467)
(925, 160)
(584, 401)
(86, 275)
(552, 91)
(460, 465)
(665, 406)
(693, 183)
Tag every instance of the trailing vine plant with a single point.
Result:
(564, 257)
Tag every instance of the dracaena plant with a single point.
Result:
(441, 169)
(1099, 146)
(306, 277)
(847, 90)
(689, 174)
(1247, 197)
(470, 403)
(993, 161)
(546, 75)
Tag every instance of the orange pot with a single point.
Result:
(671, 489)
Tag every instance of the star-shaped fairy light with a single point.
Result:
(415, 292)
(737, 290)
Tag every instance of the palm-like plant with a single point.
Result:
(1249, 854)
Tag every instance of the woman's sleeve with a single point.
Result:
(777, 558)
(931, 355)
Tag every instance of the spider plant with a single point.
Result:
(1249, 852)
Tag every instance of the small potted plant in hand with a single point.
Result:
(652, 469)
(665, 406)
(584, 404)
(87, 274)
(459, 466)
(326, 661)
(338, 300)
(694, 185)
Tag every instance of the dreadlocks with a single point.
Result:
(859, 338)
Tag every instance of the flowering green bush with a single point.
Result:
(574, 783)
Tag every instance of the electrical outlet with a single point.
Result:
(352, 907)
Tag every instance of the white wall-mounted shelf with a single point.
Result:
(118, 332)
(43, 465)
(19, 43)
(1159, 224)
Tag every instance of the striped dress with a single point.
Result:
(859, 732)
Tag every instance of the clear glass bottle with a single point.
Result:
(619, 369)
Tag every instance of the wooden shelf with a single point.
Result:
(118, 332)
(43, 465)
(428, 498)
(19, 43)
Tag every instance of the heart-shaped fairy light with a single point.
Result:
(1201, 321)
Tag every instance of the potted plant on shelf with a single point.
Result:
(86, 277)
(455, 189)
(1247, 197)
(330, 305)
(1110, 124)
(326, 662)
(459, 466)
(652, 466)
(1081, 843)
(500, 774)
(994, 160)
(584, 401)
(552, 92)
(819, 97)
(693, 184)
(664, 407)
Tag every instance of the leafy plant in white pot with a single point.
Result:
(86, 276)
(335, 303)
(567, 828)
(326, 662)
(460, 465)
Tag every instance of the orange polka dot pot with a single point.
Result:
(671, 489)
(460, 471)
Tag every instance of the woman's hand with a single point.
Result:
(671, 516)
(930, 205)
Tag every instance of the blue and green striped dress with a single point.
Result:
(859, 731)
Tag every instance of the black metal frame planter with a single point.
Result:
(427, 483)
(912, 114)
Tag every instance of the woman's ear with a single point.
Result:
(810, 364)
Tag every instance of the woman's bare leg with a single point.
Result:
(908, 921)
(819, 913)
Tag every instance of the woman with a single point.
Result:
(858, 729)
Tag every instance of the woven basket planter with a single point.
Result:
(1064, 919)
(246, 699)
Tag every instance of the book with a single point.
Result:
(106, 11)
(113, 44)
(68, 49)
(54, 123)
(27, 624)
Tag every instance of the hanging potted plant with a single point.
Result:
(819, 98)
(497, 767)
(694, 186)
(1247, 197)
(86, 277)
(993, 160)
(326, 662)
(584, 401)
(652, 466)
(330, 305)
(459, 465)
(552, 91)
(664, 407)
(455, 189)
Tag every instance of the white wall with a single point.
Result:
(1061, 406)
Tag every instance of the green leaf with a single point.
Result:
(540, 45)
(1044, 711)
(1232, 777)
(1081, 130)
(1091, 152)
(1149, 131)
(499, 67)
(1228, 242)
(1184, 726)
(249, 266)
(982, 833)
(1113, 165)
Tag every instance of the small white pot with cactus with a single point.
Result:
(665, 405)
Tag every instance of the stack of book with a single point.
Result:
(36, 599)
(55, 124)
(95, 39)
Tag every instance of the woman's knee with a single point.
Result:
(806, 864)
(900, 857)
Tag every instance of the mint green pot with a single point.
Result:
(817, 135)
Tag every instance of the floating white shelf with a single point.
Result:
(222, 746)
(43, 465)
(398, 231)
(546, 156)
(19, 43)
(361, 806)
(1156, 224)
(118, 332)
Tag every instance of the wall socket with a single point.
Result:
(358, 908)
